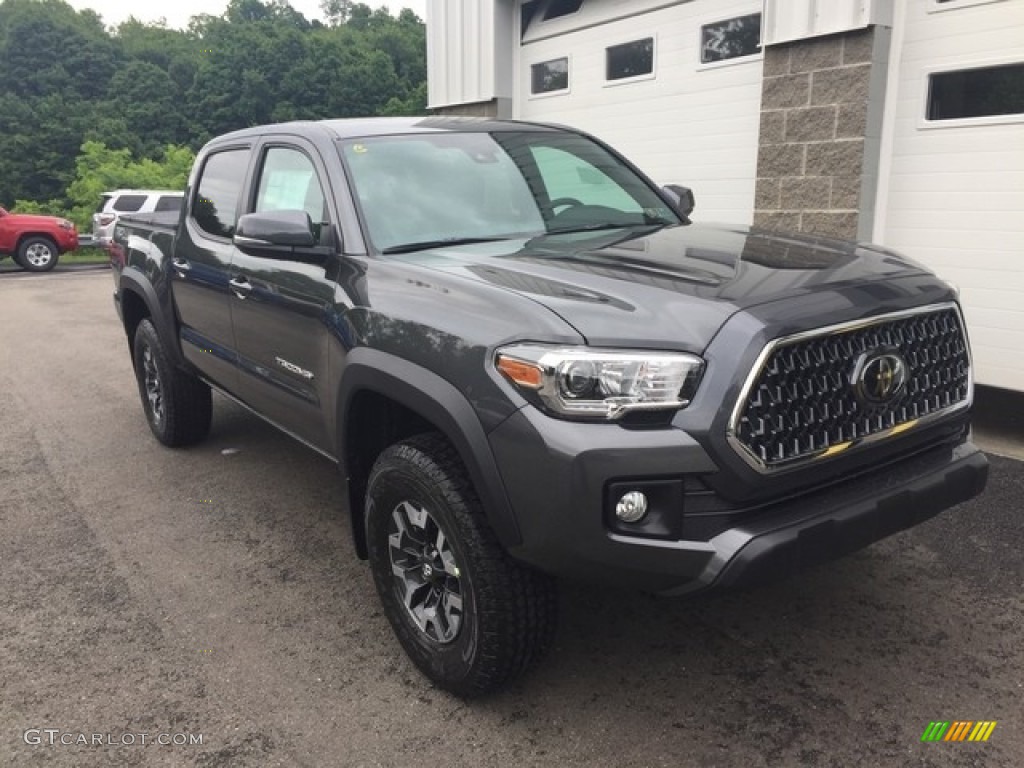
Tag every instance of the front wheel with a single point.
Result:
(471, 618)
(178, 406)
(38, 254)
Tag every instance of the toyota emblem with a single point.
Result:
(880, 376)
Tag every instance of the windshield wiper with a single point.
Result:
(597, 227)
(440, 243)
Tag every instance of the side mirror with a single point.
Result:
(681, 198)
(275, 231)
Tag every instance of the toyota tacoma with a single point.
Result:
(35, 242)
(529, 363)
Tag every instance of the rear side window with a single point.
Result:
(215, 208)
(129, 203)
(169, 203)
(103, 204)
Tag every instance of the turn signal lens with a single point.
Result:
(524, 374)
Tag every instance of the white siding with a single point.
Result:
(689, 124)
(788, 20)
(461, 51)
(954, 197)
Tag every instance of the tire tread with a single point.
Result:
(517, 606)
(188, 402)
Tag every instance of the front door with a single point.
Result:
(281, 305)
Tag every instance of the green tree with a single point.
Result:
(68, 82)
(100, 169)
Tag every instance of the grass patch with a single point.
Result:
(86, 256)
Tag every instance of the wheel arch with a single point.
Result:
(44, 235)
(138, 301)
(384, 399)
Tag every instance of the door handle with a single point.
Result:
(181, 266)
(241, 287)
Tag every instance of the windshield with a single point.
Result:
(439, 188)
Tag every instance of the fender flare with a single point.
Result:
(134, 281)
(436, 400)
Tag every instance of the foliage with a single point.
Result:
(99, 169)
(72, 88)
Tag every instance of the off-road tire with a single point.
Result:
(509, 611)
(38, 254)
(178, 406)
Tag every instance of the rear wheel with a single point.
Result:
(471, 618)
(38, 254)
(178, 406)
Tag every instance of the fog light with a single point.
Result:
(631, 507)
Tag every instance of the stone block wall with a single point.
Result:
(821, 114)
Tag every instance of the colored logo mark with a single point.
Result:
(959, 730)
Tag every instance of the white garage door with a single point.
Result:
(675, 86)
(955, 197)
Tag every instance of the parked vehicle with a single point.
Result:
(35, 242)
(124, 201)
(529, 363)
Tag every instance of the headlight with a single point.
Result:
(582, 382)
(65, 224)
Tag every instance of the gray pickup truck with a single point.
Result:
(528, 363)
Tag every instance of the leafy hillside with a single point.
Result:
(66, 80)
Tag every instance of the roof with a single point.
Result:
(361, 127)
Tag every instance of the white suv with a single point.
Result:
(122, 201)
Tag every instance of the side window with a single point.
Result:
(129, 203)
(288, 181)
(567, 176)
(215, 208)
(169, 203)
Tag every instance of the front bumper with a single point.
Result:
(557, 475)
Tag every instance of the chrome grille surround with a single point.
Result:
(799, 403)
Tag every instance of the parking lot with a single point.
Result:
(215, 592)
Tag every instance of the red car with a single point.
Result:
(35, 242)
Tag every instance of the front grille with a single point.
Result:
(803, 402)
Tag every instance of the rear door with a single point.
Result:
(202, 260)
(281, 305)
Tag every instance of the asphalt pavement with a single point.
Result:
(213, 595)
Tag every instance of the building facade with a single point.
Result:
(896, 121)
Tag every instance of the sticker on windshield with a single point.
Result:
(359, 149)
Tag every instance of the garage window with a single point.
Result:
(550, 76)
(634, 59)
(730, 39)
(948, 5)
(558, 8)
(981, 92)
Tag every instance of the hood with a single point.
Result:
(673, 288)
(28, 219)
